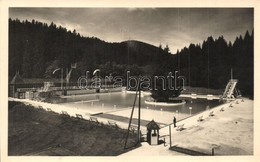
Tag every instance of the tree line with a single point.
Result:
(210, 64)
(36, 49)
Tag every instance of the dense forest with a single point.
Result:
(36, 49)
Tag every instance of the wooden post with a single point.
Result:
(139, 111)
(231, 74)
(130, 121)
(170, 135)
(61, 79)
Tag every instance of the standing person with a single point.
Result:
(174, 121)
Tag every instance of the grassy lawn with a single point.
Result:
(38, 132)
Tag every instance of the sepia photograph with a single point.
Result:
(130, 81)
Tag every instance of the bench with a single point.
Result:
(64, 113)
(88, 114)
(48, 109)
(93, 119)
(40, 107)
(211, 113)
(112, 123)
(143, 137)
(79, 116)
(222, 109)
(133, 128)
(180, 127)
(200, 118)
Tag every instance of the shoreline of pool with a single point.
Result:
(86, 114)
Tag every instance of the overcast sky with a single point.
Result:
(177, 27)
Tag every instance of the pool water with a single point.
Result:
(109, 102)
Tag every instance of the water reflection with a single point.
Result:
(118, 100)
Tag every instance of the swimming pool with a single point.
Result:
(107, 102)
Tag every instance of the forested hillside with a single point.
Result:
(210, 64)
(36, 49)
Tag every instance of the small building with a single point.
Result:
(153, 133)
(27, 87)
(29, 94)
(17, 80)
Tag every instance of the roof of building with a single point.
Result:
(42, 80)
(17, 79)
(152, 125)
